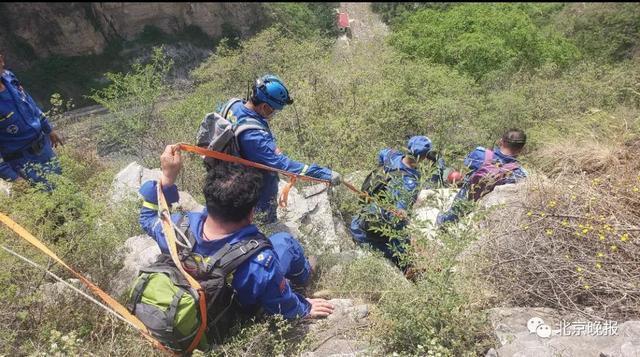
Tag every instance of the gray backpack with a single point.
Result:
(220, 133)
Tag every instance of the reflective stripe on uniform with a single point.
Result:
(150, 205)
(304, 170)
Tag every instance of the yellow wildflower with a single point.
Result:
(552, 204)
(529, 213)
(565, 222)
(585, 231)
(614, 247)
(587, 287)
(600, 255)
(579, 270)
(601, 237)
(598, 266)
(625, 237)
(549, 232)
(635, 189)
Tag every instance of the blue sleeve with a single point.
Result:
(44, 121)
(149, 220)
(475, 159)
(382, 155)
(262, 283)
(258, 146)
(7, 172)
(406, 196)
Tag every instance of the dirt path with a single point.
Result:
(365, 25)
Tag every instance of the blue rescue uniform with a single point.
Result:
(25, 147)
(474, 161)
(403, 192)
(260, 281)
(260, 146)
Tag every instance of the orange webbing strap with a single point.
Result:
(282, 201)
(114, 304)
(237, 160)
(170, 237)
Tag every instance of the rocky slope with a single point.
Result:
(38, 30)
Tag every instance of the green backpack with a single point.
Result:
(164, 301)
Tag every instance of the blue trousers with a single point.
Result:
(389, 247)
(34, 167)
(293, 264)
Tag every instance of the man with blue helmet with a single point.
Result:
(400, 189)
(268, 95)
(26, 136)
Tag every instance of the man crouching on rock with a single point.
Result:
(231, 193)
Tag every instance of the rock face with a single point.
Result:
(140, 252)
(38, 30)
(128, 181)
(312, 216)
(513, 328)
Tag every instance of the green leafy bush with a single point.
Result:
(481, 38)
(605, 32)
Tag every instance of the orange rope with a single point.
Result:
(282, 201)
(170, 236)
(111, 302)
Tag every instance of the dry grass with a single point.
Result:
(573, 244)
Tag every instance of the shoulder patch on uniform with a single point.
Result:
(264, 258)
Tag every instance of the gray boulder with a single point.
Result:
(139, 251)
(543, 332)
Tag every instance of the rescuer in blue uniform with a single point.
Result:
(268, 96)
(231, 193)
(507, 151)
(26, 136)
(401, 190)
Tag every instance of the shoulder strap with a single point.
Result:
(241, 252)
(248, 124)
(488, 157)
(184, 231)
(225, 110)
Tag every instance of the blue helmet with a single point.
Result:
(419, 145)
(270, 89)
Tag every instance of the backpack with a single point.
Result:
(164, 301)
(219, 133)
(488, 176)
(377, 181)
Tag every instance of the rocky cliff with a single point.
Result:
(30, 31)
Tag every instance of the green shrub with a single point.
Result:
(605, 32)
(131, 98)
(481, 38)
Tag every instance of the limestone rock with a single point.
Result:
(512, 328)
(308, 215)
(128, 181)
(139, 251)
(5, 188)
(336, 335)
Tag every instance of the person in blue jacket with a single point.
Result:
(508, 149)
(401, 191)
(231, 193)
(26, 136)
(268, 96)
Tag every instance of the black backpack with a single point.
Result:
(213, 273)
(377, 181)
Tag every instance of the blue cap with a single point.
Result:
(419, 145)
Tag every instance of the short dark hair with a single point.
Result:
(231, 191)
(514, 139)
